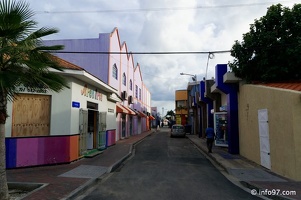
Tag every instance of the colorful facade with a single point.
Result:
(50, 128)
(107, 101)
(114, 65)
(181, 106)
(259, 121)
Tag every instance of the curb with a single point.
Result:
(124, 158)
(82, 189)
(245, 184)
(92, 182)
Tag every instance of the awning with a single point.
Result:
(121, 109)
(131, 112)
(151, 117)
(134, 110)
(141, 114)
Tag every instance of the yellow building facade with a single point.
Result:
(181, 106)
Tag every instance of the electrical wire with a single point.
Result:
(148, 53)
(163, 9)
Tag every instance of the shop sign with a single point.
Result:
(90, 93)
(32, 90)
(75, 104)
(223, 108)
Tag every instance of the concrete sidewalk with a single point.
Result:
(67, 181)
(250, 175)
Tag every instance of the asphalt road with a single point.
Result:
(164, 168)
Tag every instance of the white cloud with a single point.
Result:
(214, 25)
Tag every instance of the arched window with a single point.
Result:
(115, 71)
(139, 93)
(124, 79)
(136, 91)
(131, 85)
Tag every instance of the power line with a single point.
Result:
(154, 53)
(161, 9)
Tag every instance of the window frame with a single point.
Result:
(136, 91)
(139, 93)
(131, 85)
(124, 79)
(115, 71)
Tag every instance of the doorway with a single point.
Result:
(91, 129)
(92, 125)
(131, 125)
(264, 139)
(123, 126)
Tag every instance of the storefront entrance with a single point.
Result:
(123, 126)
(131, 125)
(92, 128)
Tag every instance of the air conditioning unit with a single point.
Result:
(130, 99)
(124, 95)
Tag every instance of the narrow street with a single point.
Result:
(166, 168)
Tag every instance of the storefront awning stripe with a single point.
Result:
(121, 109)
(135, 111)
(142, 114)
(130, 111)
(151, 117)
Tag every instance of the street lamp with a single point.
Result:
(193, 76)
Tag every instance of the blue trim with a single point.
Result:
(11, 152)
(208, 101)
(231, 90)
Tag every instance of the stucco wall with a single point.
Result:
(96, 64)
(284, 113)
(60, 112)
(181, 95)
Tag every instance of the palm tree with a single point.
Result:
(23, 61)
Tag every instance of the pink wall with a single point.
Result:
(24, 152)
(111, 137)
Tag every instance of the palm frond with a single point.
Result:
(50, 48)
(15, 22)
(23, 58)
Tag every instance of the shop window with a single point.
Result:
(115, 71)
(31, 115)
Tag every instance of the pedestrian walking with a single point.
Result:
(210, 135)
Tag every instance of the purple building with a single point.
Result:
(100, 57)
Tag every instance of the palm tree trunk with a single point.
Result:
(3, 115)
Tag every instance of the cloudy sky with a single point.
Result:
(159, 26)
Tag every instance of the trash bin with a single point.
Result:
(111, 137)
(102, 140)
(187, 128)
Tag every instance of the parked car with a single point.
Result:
(177, 130)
